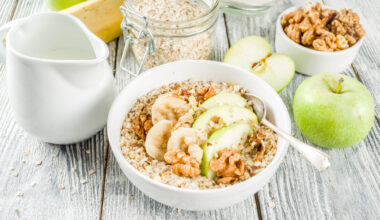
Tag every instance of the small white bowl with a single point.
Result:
(309, 61)
(204, 71)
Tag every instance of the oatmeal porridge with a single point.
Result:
(196, 135)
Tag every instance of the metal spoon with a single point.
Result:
(316, 157)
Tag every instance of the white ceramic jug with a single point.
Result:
(60, 84)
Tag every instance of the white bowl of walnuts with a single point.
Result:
(319, 39)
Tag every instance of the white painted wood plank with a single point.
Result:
(39, 183)
(348, 190)
(122, 200)
(367, 62)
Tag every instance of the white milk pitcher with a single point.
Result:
(60, 84)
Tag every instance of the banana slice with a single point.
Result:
(168, 107)
(157, 139)
(187, 140)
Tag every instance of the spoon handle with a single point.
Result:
(317, 158)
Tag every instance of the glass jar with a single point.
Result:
(155, 42)
(157, 37)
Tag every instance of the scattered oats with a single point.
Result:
(26, 153)
(282, 161)
(271, 205)
(23, 161)
(61, 187)
(132, 197)
(179, 211)
(88, 151)
(12, 168)
(74, 169)
(83, 181)
(253, 204)
(38, 162)
(15, 174)
(20, 194)
(73, 192)
(330, 180)
(33, 184)
(91, 171)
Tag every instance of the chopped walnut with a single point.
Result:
(182, 92)
(305, 25)
(293, 32)
(341, 42)
(205, 93)
(142, 124)
(227, 165)
(308, 38)
(319, 28)
(320, 44)
(182, 164)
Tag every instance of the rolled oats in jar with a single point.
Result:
(162, 31)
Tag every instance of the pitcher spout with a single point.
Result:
(56, 37)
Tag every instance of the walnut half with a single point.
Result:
(142, 124)
(228, 166)
(182, 164)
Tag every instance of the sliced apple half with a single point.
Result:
(253, 53)
(224, 99)
(228, 137)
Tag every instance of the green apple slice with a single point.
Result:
(227, 114)
(253, 53)
(224, 99)
(227, 137)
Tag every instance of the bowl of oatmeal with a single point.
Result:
(185, 135)
(319, 38)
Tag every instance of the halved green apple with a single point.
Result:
(228, 114)
(228, 137)
(253, 53)
(224, 99)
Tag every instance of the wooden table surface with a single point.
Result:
(350, 189)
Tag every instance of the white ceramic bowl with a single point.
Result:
(205, 71)
(309, 61)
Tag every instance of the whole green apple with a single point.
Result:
(333, 110)
(57, 5)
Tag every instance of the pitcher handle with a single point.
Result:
(3, 35)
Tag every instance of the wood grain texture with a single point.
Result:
(19, 152)
(122, 200)
(349, 189)
(367, 62)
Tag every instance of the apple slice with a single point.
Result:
(227, 115)
(224, 99)
(253, 53)
(227, 137)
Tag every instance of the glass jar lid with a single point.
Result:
(246, 7)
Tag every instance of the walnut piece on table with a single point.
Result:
(323, 29)
(228, 166)
(182, 164)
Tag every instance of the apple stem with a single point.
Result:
(339, 86)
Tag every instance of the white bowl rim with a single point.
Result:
(186, 190)
(282, 33)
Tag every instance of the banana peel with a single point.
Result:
(102, 17)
